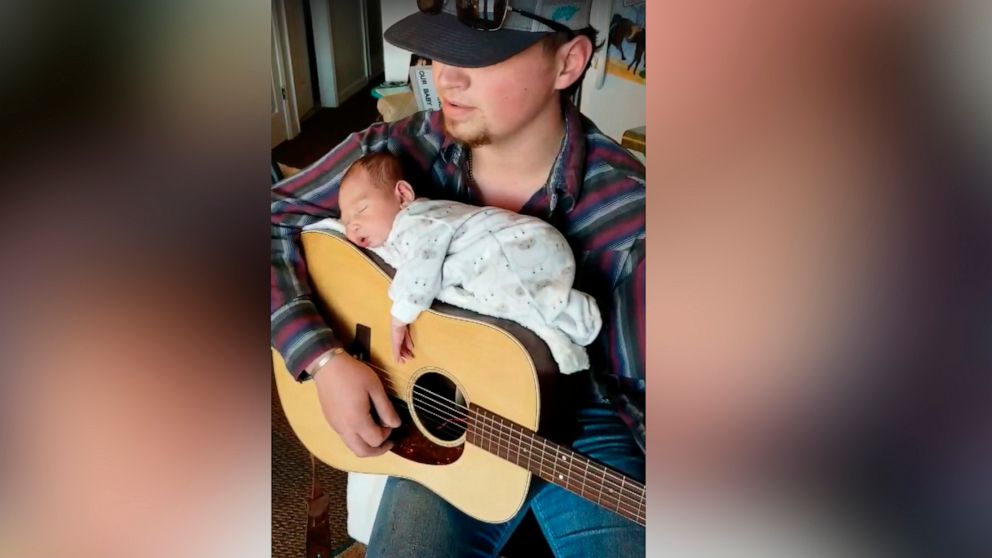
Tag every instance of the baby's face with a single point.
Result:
(367, 210)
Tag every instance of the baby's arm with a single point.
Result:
(423, 244)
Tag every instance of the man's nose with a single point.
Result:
(449, 77)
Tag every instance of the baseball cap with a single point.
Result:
(444, 38)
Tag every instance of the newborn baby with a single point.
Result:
(484, 259)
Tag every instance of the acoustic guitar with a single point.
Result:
(469, 399)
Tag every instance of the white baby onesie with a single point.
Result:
(490, 261)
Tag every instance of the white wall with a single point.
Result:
(618, 106)
(396, 60)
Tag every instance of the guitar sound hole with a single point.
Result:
(440, 407)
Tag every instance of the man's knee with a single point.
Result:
(414, 522)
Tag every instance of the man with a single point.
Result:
(507, 136)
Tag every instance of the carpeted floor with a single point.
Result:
(290, 487)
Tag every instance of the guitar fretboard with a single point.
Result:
(556, 464)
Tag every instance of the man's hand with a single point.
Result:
(347, 390)
(402, 342)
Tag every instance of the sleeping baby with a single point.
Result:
(484, 259)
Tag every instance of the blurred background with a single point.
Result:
(819, 204)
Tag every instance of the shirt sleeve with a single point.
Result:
(298, 331)
(625, 315)
(424, 244)
(623, 322)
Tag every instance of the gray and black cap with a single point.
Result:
(443, 38)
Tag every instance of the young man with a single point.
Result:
(507, 136)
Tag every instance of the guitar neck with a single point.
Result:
(556, 464)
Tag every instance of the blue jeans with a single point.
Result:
(414, 522)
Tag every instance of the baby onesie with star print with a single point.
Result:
(494, 262)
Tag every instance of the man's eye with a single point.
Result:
(363, 209)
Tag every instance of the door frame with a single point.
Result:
(332, 93)
(278, 123)
(280, 34)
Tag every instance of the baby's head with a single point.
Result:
(372, 193)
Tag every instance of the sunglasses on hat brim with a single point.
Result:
(490, 16)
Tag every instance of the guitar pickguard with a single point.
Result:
(409, 442)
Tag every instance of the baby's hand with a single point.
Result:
(402, 342)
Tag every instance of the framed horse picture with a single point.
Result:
(625, 41)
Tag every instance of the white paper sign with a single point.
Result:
(422, 83)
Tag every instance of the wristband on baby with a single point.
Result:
(322, 361)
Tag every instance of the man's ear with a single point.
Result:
(573, 57)
(404, 192)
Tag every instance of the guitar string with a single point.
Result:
(447, 403)
(623, 500)
(508, 429)
(622, 486)
(625, 503)
(443, 422)
(620, 489)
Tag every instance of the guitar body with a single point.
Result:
(492, 363)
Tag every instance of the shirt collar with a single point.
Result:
(565, 181)
(449, 146)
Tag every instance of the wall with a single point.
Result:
(618, 106)
(297, 36)
(348, 43)
(374, 18)
(397, 60)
